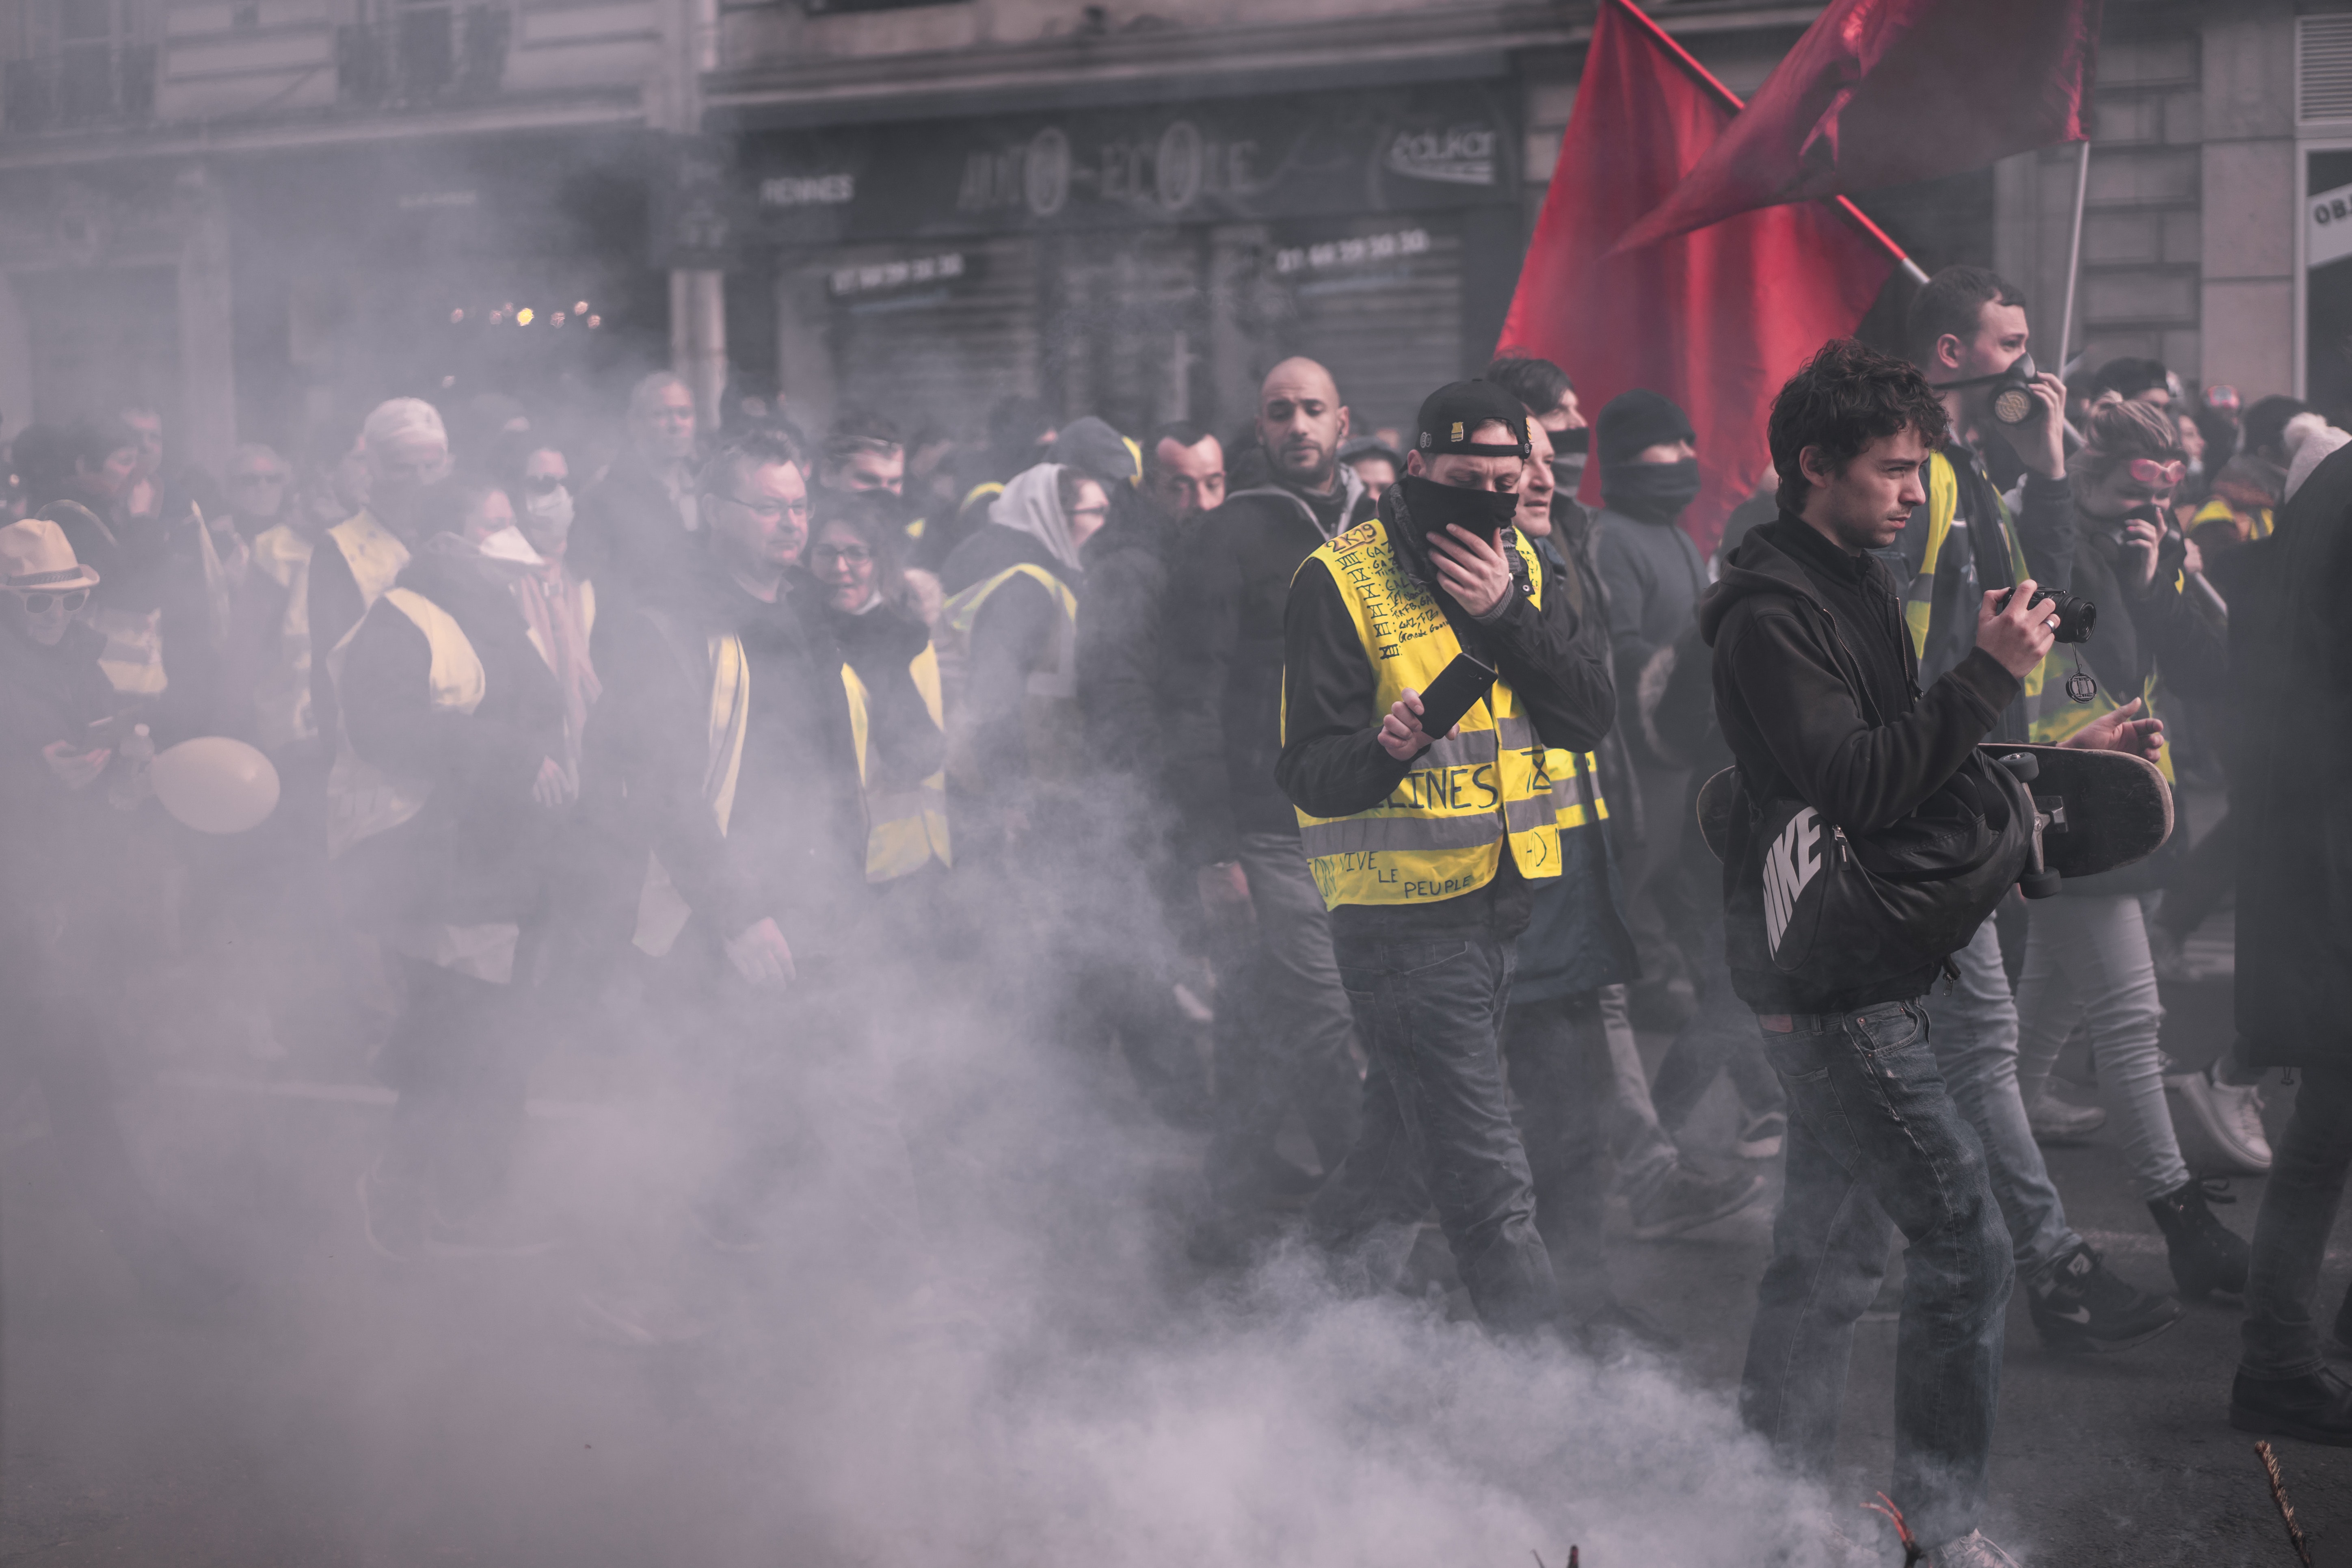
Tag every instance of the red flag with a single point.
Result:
(1881, 92)
(1716, 320)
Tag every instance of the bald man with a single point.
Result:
(1285, 1036)
(628, 527)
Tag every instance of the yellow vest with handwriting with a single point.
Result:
(1439, 834)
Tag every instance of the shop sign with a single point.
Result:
(2328, 226)
(1308, 155)
(899, 276)
(1361, 250)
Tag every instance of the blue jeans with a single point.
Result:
(1437, 1124)
(1976, 1048)
(2299, 1200)
(1875, 1145)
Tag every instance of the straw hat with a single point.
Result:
(36, 558)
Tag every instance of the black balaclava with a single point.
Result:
(1647, 492)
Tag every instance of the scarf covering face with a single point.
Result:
(1651, 492)
(1032, 505)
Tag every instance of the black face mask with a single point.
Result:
(1651, 492)
(1579, 440)
(1432, 507)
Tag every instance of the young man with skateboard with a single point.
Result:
(1815, 690)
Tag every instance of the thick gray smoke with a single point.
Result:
(1061, 1389)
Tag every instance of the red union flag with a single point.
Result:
(1716, 320)
(1882, 92)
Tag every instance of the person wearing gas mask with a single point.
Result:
(448, 787)
(1968, 330)
(1653, 576)
(2086, 953)
(1428, 849)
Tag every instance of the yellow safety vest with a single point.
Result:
(281, 696)
(1050, 711)
(1441, 833)
(364, 799)
(375, 554)
(2217, 509)
(2063, 719)
(906, 829)
(1919, 605)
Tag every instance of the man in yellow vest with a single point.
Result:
(1968, 328)
(724, 753)
(1425, 848)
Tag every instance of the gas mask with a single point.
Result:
(2011, 399)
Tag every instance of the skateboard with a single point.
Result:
(2093, 811)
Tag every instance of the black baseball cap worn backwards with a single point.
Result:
(1451, 415)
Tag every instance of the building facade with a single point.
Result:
(248, 211)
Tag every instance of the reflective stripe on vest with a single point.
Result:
(1920, 601)
(1439, 834)
(906, 829)
(662, 910)
(377, 556)
(364, 799)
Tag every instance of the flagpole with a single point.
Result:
(2074, 254)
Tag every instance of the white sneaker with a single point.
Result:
(1762, 1137)
(2055, 1121)
(1970, 1551)
(2230, 1118)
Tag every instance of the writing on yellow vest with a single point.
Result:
(362, 798)
(1441, 832)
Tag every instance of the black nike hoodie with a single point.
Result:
(1816, 690)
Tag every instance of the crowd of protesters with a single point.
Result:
(772, 727)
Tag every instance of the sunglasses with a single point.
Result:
(2148, 471)
(542, 484)
(37, 603)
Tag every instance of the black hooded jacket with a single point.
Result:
(1332, 762)
(793, 849)
(1816, 692)
(1220, 677)
(478, 852)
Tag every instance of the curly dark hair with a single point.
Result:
(1846, 397)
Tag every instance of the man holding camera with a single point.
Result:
(1969, 332)
(1815, 690)
(1424, 845)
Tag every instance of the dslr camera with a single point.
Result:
(2076, 616)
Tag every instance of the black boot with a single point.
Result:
(2317, 1408)
(2206, 1256)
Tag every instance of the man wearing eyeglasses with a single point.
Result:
(726, 720)
(1969, 330)
(724, 737)
(255, 483)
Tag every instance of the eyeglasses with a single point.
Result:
(851, 554)
(37, 603)
(2148, 471)
(771, 512)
